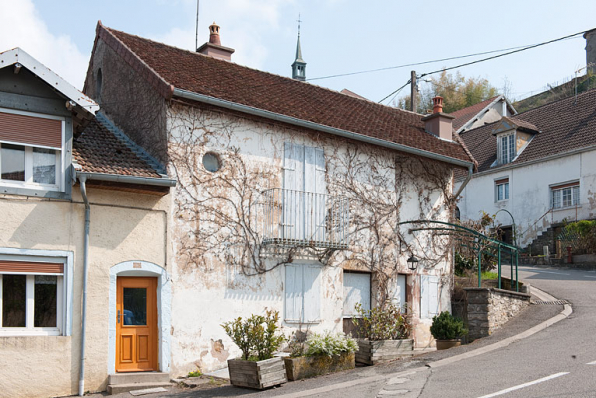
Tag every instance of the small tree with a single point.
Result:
(256, 336)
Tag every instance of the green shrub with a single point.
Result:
(386, 323)
(463, 264)
(447, 327)
(330, 344)
(255, 336)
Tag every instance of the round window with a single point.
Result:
(211, 162)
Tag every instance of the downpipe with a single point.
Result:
(82, 180)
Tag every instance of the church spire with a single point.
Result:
(299, 66)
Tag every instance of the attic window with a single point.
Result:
(506, 148)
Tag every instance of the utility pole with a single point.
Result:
(413, 91)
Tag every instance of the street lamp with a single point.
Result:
(412, 263)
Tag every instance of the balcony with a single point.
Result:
(305, 219)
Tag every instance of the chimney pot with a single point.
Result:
(213, 47)
(437, 104)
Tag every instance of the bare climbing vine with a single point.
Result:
(221, 213)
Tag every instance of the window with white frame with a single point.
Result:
(501, 189)
(31, 150)
(506, 148)
(566, 195)
(303, 293)
(32, 296)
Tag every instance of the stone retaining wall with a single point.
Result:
(489, 309)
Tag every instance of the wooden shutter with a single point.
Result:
(356, 290)
(429, 296)
(312, 292)
(400, 291)
(30, 267)
(30, 130)
(293, 293)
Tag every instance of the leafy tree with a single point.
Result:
(457, 91)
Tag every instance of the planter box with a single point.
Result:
(305, 367)
(374, 352)
(259, 375)
(447, 344)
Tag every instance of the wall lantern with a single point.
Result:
(412, 263)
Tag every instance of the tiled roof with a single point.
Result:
(464, 115)
(167, 67)
(564, 126)
(97, 150)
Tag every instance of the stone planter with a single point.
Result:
(446, 344)
(374, 352)
(305, 367)
(259, 375)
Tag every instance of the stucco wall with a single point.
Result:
(123, 227)
(529, 194)
(209, 291)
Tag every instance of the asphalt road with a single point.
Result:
(559, 361)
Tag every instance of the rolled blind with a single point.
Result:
(30, 130)
(502, 181)
(31, 267)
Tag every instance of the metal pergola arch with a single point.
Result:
(480, 244)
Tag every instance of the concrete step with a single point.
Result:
(120, 388)
(138, 377)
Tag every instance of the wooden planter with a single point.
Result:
(259, 375)
(305, 367)
(446, 344)
(374, 352)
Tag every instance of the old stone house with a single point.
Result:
(82, 209)
(289, 195)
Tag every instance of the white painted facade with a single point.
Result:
(530, 197)
(208, 290)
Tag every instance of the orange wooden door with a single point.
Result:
(136, 324)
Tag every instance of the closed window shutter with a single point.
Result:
(289, 196)
(400, 291)
(31, 130)
(30, 267)
(312, 293)
(356, 290)
(293, 293)
(429, 296)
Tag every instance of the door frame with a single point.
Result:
(164, 309)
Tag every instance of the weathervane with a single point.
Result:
(299, 20)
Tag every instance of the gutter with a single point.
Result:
(83, 186)
(158, 182)
(317, 127)
(83, 177)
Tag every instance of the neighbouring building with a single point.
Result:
(81, 205)
(288, 196)
(482, 113)
(540, 166)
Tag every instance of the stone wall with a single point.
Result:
(489, 309)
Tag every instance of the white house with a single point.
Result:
(539, 165)
(288, 194)
(484, 112)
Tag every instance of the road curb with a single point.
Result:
(567, 310)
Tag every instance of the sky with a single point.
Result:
(337, 36)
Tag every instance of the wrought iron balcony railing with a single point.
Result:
(306, 219)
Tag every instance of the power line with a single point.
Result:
(502, 55)
(420, 63)
(396, 91)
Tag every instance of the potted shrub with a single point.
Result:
(258, 340)
(319, 354)
(384, 334)
(447, 330)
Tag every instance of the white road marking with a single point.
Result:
(550, 272)
(525, 385)
(591, 363)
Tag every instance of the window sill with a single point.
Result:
(294, 322)
(22, 332)
(567, 208)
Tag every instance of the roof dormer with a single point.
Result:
(512, 138)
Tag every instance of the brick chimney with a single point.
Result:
(213, 48)
(439, 123)
(590, 37)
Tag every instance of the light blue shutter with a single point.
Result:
(288, 198)
(312, 292)
(293, 294)
(321, 204)
(429, 296)
(399, 298)
(356, 290)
